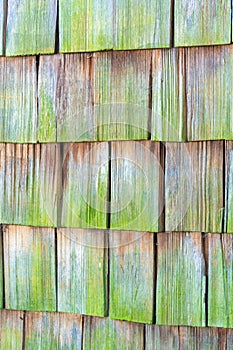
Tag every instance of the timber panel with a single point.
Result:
(228, 222)
(2, 9)
(162, 338)
(11, 329)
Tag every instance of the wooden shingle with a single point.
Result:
(11, 329)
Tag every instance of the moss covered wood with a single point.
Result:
(30, 27)
(105, 334)
(228, 222)
(1, 272)
(29, 268)
(2, 9)
(54, 331)
(132, 276)
(28, 183)
(82, 271)
(162, 337)
(194, 186)
(200, 23)
(85, 185)
(18, 100)
(136, 198)
(168, 95)
(181, 280)
(11, 329)
(209, 75)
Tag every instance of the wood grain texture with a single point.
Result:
(142, 25)
(85, 25)
(220, 280)
(11, 330)
(228, 219)
(180, 259)
(28, 183)
(105, 334)
(1, 272)
(194, 186)
(121, 95)
(209, 75)
(85, 185)
(54, 331)
(192, 338)
(136, 201)
(18, 115)
(162, 338)
(30, 27)
(199, 23)
(2, 9)
(29, 268)
(82, 271)
(168, 95)
(132, 276)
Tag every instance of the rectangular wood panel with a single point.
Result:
(142, 25)
(2, 10)
(132, 276)
(54, 331)
(28, 183)
(162, 338)
(181, 280)
(18, 99)
(85, 185)
(136, 194)
(11, 329)
(121, 95)
(85, 25)
(104, 333)
(1, 272)
(228, 222)
(31, 27)
(29, 268)
(192, 338)
(209, 75)
(82, 271)
(168, 95)
(199, 23)
(194, 186)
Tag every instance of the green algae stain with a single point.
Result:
(47, 119)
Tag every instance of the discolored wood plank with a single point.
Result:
(220, 280)
(168, 95)
(18, 115)
(29, 268)
(2, 9)
(180, 259)
(199, 23)
(162, 338)
(104, 333)
(11, 329)
(228, 219)
(85, 25)
(194, 186)
(132, 276)
(142, 25)
(54, 331)
(85, 185)
(82, 271)
(30, 27)
(209, 75)
(1, 273)
(192, 338)
(136, 175)
(121, 95)
(28, 183)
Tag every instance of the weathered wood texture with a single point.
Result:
(209, 74)
(105, 334)
(142, 24)
(11, 330)
(54, 331)
(2, 10)
(121, 95)
(30, 27)
(29, 268)
(162, 338)
(194, 186)
(82, 271)
(199, 23)
(1, 272)
(85, 25)
(18, 115)
(136, 200)
(85, 185)
(181, 281)
(132, 276)
(220, 280)
(228, 222)
(168, 95)
(28, 184)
